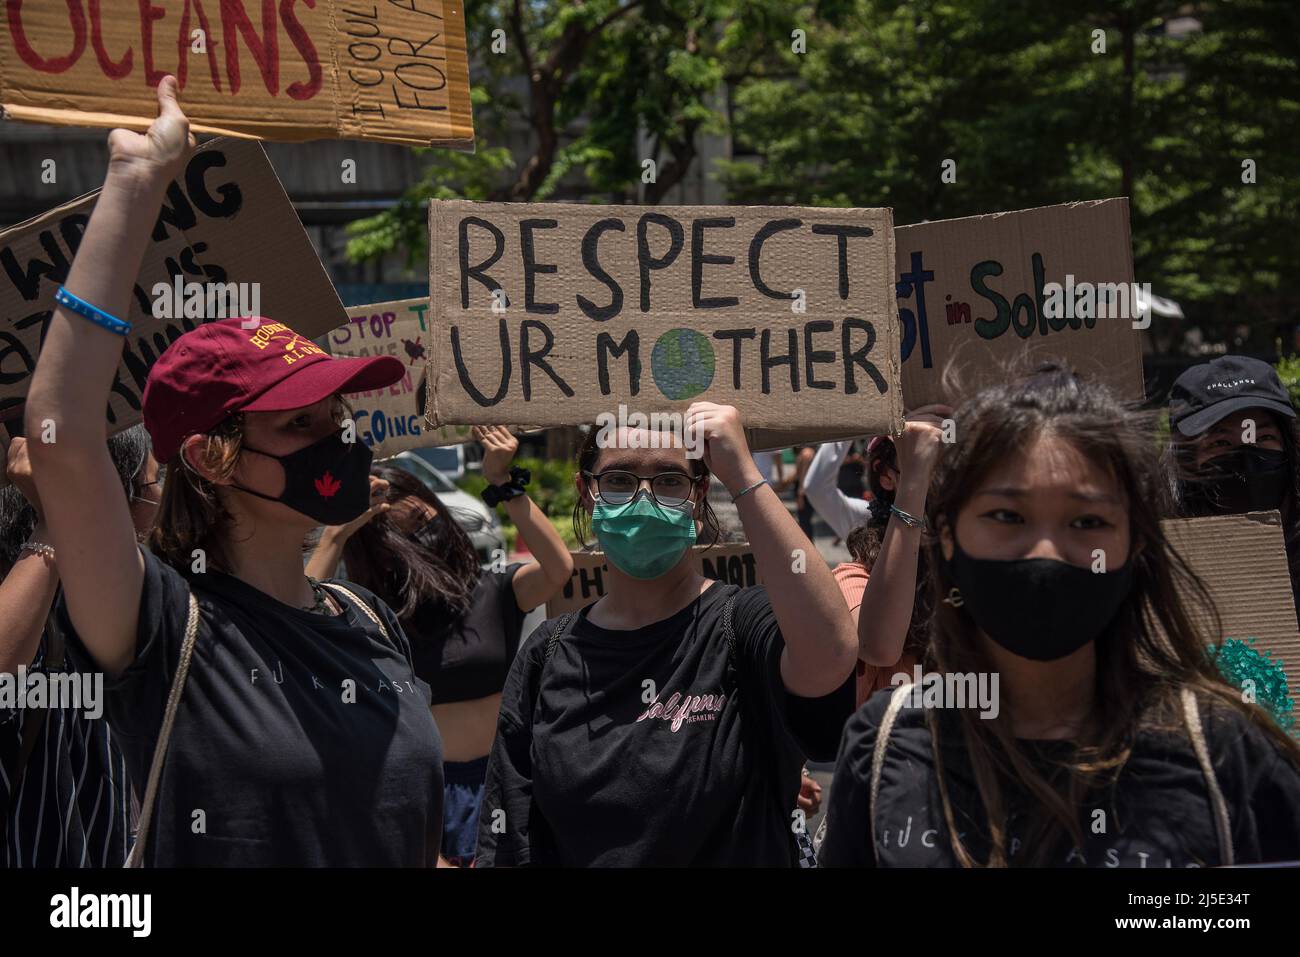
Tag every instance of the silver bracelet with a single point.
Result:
(40, 548)
(911, 521)
(747, 489)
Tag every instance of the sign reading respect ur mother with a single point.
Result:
(390, 70)
(554, 314)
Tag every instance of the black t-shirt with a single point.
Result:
(300, 739)
(658, 746)
(469, 658)
(1157, 814)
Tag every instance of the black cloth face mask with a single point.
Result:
(328, 480)
(1037, 608)
(1247, 479)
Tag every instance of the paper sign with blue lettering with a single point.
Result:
(1051, 283)
(391, 420)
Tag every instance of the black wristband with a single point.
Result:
(493, 495)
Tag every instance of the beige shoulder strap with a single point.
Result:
(1222, 823)
(369, 612)
(134, 858)
(896, 702)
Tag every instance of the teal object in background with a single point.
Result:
(1239, 661)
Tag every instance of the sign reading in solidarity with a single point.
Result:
(732, 564)
(391, 420)
(554, 314)
(226, 242)
(984, 297)
(1051, 283)
(392, 70)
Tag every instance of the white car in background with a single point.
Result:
(472, 514)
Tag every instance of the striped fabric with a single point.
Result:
(73, 805)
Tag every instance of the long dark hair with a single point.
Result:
(430, 575)
(1149, 652)
(589, 452)
(865, 541)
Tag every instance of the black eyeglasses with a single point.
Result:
(617, 487)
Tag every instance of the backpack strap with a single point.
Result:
(134, 858)
(561, 627)
(728, 629)
(1219, 807)
(896, 702)
(366, 609)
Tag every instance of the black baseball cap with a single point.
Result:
(1209, 392)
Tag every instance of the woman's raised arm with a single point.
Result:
(87, 514)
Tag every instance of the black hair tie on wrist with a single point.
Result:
(493, 495)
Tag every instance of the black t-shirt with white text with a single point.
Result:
(1157, 814)
(301, 739)
(659, 746)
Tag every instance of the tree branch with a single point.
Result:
(517, 29)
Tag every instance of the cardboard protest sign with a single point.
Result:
(1242, 560)
(391, 70)
(391, 420)
(554, 314)
(975, 292)
(733, 564)
(226, 242)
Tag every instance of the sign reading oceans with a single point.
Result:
(553, 314)
(226, 242)
(391, 70)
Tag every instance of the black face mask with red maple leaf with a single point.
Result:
(328, 480)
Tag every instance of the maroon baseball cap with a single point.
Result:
(246, 365)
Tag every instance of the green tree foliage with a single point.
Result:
(1016, 92)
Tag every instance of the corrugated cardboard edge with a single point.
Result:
(894, 347)
(434, 362)
(283, 134)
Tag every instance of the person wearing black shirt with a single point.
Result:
(65, 795)
(289, 724)
(1109, 738)
(667, 723)
(464, 622)
(1235, 446)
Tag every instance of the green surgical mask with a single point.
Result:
(643, 538)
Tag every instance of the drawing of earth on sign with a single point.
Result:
(682, 363)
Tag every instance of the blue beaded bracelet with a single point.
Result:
(96, 315)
